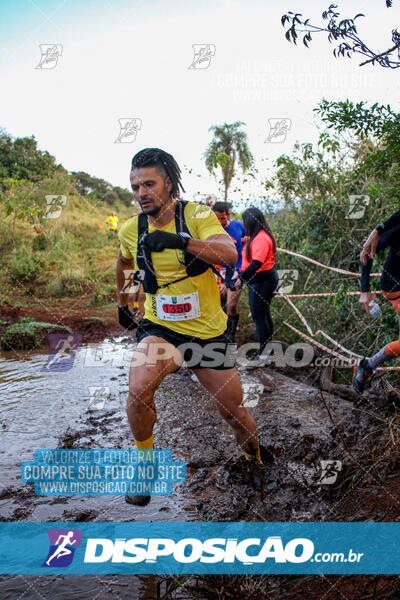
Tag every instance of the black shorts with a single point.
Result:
(214, 353)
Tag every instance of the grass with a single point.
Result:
(28, 334)
(73, 256)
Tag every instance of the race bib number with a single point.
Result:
(178, 308)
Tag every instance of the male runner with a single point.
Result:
(369, 248)
(210, 201)
(112, 221)
(237, 231)
(384, 236)
(155, 180)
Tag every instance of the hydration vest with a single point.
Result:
(193, 265)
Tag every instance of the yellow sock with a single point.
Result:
(251, 456)
(145, 444)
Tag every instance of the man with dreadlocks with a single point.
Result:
(174, 243)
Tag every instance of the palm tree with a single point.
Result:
(228, 146)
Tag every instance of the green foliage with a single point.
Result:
(125, 196)
(318, 221)
(68, 284)
(228, 148)
(16, 198)
(88, 185)
(20, 158)
(95, 188)
(376, 145)
(347, 115)
(27, 320)
(20, 337)
(110, 198)
(25, 268)
(25, 201)
(344, 31)
(100, 298)
(95, 321)
(40, 242)
(28, 334)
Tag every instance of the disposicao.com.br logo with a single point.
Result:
(204, 553)
(248, 551)
(200, 547)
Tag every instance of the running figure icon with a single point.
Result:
(62, 549)
(63, 349)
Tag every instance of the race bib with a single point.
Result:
(178, 308)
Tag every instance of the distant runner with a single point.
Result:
(182, 304)
(113, 221)
(259, 273)
(237, 231)
(384, 236)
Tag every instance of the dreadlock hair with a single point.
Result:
(163, 162)
(254, 221)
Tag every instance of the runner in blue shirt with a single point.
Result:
(237, 231)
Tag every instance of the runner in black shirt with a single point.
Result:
(388, 235)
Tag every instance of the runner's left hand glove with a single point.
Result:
(125, 317)
(156, 241)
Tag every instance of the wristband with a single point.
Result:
(185, 239)
(125, 317)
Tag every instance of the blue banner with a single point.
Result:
(200, 548)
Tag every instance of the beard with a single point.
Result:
(151, 211)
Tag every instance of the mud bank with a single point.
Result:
(93, 324)
(300, 424)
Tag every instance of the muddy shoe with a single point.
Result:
(255, 362)
(259, 473)
(259, 470)
(137, 500)
(266, 455)
(362, 375)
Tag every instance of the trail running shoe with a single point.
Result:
(362, 375)
(137, 500)
(259, 470)
(255, 362)
(266, 455)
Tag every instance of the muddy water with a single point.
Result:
(52, 410)
(42, 409)
(78, 587)
(49, 410)
(39, 409)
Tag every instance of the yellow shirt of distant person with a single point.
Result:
(202, 223)
(112, 222)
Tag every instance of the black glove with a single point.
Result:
(231, 285)
(156, 241)
(125, 317)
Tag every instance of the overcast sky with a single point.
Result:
(130, 60)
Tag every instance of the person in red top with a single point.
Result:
(259, 273)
